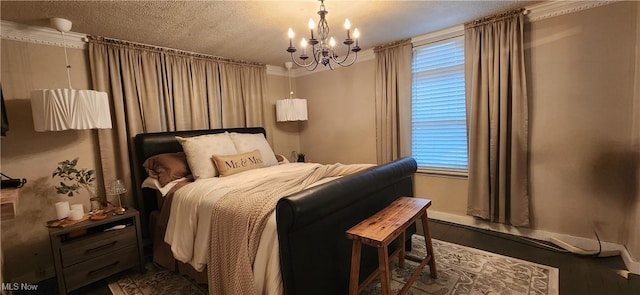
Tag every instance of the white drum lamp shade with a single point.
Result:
(63, 109)
(68, 108)
(291, 109)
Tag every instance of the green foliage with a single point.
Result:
(72, 178)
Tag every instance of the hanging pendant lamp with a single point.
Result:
(68, 108)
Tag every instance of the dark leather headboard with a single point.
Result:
(150, 144)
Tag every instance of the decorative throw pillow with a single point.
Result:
(246, 142)
(199, 150)
(282, 159)
(167, 167)
(163, 189)
(229, 165)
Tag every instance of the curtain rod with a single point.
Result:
(130, 44)
(494, 18)
(392, 45)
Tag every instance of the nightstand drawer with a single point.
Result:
(101, 267)
(96, 245)
(84, 253)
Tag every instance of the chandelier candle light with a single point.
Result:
(322, 48)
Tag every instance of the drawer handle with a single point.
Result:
(102, 247)
(103, 268)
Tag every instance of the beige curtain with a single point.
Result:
(393, 100)
(497, 109)
(245, 103)
(157, 89)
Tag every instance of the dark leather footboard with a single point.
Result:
(314, 250)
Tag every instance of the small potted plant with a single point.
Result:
(301, 157)
(74, 179)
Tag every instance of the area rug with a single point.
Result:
(156, 280)
(464, 270)
(461, 270)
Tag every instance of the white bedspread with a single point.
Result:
(189, 227)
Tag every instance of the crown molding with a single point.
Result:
(551, 9)
(40, 35)
(533, 13)
(276, 71)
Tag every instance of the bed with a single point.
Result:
(312, 249)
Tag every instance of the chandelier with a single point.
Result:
(322, 49)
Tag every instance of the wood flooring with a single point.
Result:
(578, 275)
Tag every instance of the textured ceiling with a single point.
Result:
(248, 30)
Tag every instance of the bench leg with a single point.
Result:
(401, 250)
(354, 277)
(383, 269)
(427, 240)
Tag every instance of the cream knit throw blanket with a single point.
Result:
(239, 218)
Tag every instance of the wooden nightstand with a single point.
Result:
(87, 252)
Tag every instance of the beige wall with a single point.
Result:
(341, 105)
(34, 155)
(633, 219)
(448, 194)
(581, 79)
(283, 136)
(581, 83)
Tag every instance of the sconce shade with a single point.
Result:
(63, 109)
(291, 109)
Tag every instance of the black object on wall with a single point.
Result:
(5, 121)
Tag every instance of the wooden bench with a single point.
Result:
(379, 231)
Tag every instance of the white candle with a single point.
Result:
(62, 210)
(77, 206)
(76, 214)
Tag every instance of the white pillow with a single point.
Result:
(247, 142)
(199, 150)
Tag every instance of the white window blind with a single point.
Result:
(438, 123)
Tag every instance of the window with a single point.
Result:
(438, 115)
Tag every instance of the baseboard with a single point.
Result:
(584, 243)
(632, 265)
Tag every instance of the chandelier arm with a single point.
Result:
(333, 56)
(315, 65)
(348, 64)
(311, 62)
(299, 64)
(342, 63)
(316, 54)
